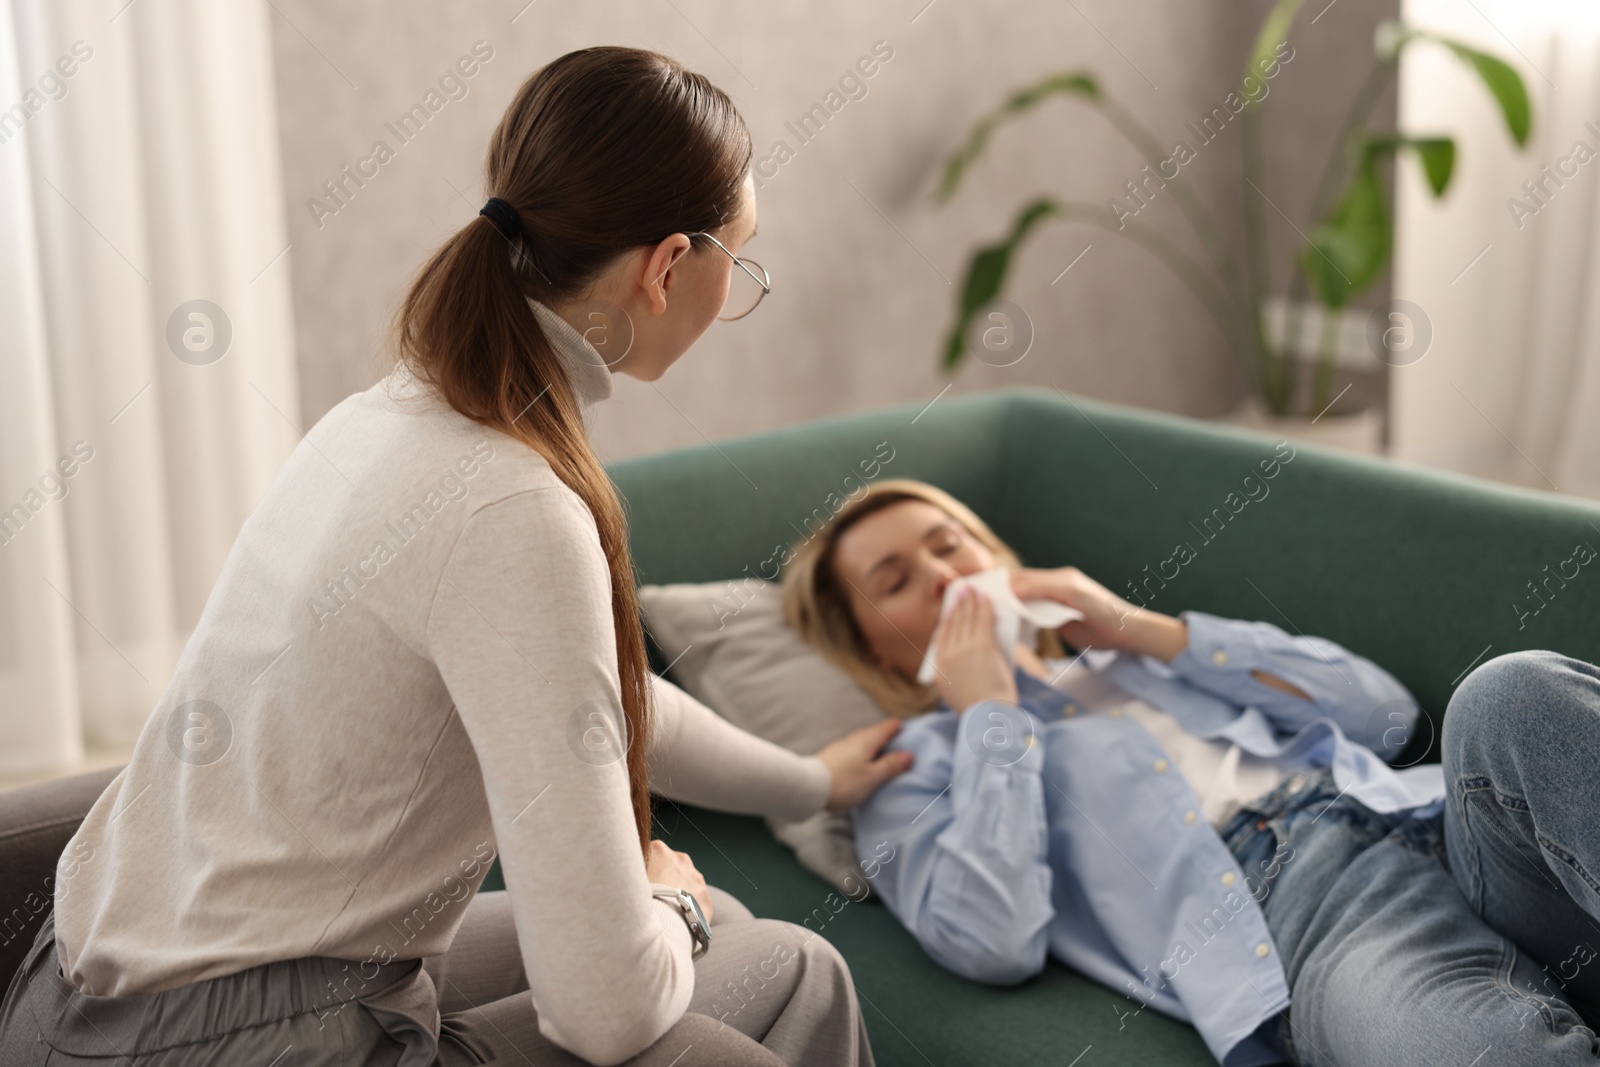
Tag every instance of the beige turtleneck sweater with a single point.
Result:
(404, 668)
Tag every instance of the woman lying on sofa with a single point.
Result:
(1197, 812)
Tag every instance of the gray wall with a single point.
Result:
(865, 264)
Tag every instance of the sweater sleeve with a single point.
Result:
(698, 757)
(521, 631)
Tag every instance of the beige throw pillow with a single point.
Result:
(731, 649)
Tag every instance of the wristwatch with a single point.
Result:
(699, 929)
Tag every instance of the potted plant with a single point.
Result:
(1347, 241)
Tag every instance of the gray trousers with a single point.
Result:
(766, 993)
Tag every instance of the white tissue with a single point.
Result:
(1014, 620)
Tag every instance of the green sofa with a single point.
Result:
(1426, 573)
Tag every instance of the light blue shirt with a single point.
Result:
(1021, 831)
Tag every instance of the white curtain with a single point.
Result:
(139, 173)
(1510, 388)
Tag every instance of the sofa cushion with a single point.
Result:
(916, 1012)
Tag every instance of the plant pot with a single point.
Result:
(1359, 431)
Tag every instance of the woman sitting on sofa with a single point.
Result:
(1197, 812)
(292, 858)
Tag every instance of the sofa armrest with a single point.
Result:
(36, 822)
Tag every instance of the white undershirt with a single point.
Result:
(1222, 775)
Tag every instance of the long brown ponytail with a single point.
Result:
(602, 151)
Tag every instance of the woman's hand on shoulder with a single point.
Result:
(1109, 621)
(859, 765)
(971, 666)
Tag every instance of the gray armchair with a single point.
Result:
(36, 822)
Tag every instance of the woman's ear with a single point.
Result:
(657, 277)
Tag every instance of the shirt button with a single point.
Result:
(1070, 709)
(1219, 657)
(1262, 949)
(1188, 816)
(1115, 713)
(1161, 766)
(1228, 879)
(1261, 824)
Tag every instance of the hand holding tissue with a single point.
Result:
(1014, 620)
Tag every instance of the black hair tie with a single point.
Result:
(504, 217)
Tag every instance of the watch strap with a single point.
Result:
(689, 908)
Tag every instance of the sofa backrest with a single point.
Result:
(1427, 573)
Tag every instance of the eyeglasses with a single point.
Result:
(746, 287)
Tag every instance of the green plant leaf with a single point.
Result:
(1346, 253)
(1436, 154)
(1348, 250)
(1504, 84)
(1073, 84)
(1274, 31)
(1502, 81)
(1438, 158)
(986, 275)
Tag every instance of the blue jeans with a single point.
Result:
(1469, 938)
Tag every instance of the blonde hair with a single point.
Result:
(816, 605)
